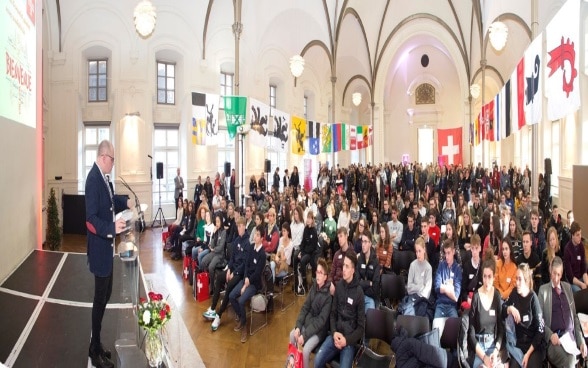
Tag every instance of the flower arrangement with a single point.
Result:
(153, 313)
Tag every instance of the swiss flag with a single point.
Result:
(449, 146)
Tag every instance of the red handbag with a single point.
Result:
(294, 359)
(201, 290)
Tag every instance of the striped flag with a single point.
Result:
(366, 136)
(337, 137)
(359, 135)
(518, 95)
(344, 137)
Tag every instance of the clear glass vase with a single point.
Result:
(154, 348)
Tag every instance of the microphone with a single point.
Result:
(150, 156)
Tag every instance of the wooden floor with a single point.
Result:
(266, 348)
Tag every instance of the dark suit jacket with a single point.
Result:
(545, 301)
(101, 232)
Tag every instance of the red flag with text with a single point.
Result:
(449, 146)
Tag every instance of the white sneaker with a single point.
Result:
(215, 323)
(209, 314)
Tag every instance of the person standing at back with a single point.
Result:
(101, 206)
(179, 187)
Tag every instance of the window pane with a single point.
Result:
(102, 67)
(170, 97)
(102, 80)
(161, 82)
(90, 157)
(101, 94)
(161, 96)
(171, 70)
(103, 133)
(159, 139)
(91, 136)
(92, 95)
(93, 81)
(230, 81)
(171, 83)
(160, 69)
(172, 137)
(92, 69)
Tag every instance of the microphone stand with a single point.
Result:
(141, 217)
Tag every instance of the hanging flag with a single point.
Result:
(336, 134)
(279, 130)
(488, 125)
(298, 134)
(449, 146)
(259, 123)
(326, 138)
(366, 136)
(344, 137)
(352, 137)
(477, 130)
(359, 134)
(198, 125)
(518, 96)
(314, 137)
(497, 112)
(235, 113)
(507, 109)
(371, 135)
(562, 82)
(533, 95)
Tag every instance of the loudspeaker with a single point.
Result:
(227, 169)
(268, 166)
(547, 166)
(159, 170)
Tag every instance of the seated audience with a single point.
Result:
(384, 249)
(506, 270)
(524, 321)
(575, 259)
(309, 249)
(312, 323)
(551, 251)
(347, 319)
(336, 273)
(409, 234)
(486, 328)
(368, 272)
(283, 257)
(471, 273)
(559, 312)
(447, 287)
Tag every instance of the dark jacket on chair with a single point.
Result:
(348, 311)
(313, 318)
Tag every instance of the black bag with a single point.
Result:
(463, 354)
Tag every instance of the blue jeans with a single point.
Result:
(445, 310)
(369, 303)
(575, 288)
(201, 256)
(329, 351)
(238, 300)
(511, 341)
(488, 346)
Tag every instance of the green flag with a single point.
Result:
(235, 111)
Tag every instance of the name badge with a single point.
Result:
(451, 274)
(349, 301)
(340, 256)
(508, 280)
(579, 258)
(363, 265)
(492, 312)
(526, 318)
(255, 260)
(384, 252)
(471, 276)
(371, 267)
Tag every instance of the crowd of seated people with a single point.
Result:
(478, 252)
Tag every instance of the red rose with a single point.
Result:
(162, 314)
(142, 300)
(159, 297)
(151, 295)
(167, 308)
